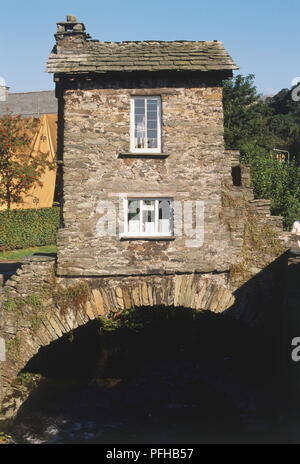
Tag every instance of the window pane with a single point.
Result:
(152, 143)
(151, 116)
(152, 104)
(139, 122)
(139, 103)
(148, 204)
(140, 141)
(148, 216)
(164, 216)
(139, 128)
(134, 216)
(140, 111)
(152, 125)
(139, 131)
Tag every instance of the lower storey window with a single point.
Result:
(148, 217)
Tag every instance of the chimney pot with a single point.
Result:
(78, 27)
(71, 18)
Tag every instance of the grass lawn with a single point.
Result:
(15, 255)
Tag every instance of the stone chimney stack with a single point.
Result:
(70, 37)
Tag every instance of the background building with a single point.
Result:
(42, 105)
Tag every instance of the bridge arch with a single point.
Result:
(28, 325)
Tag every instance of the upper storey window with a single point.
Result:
(145, 124)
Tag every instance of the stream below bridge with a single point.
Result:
(202, 390)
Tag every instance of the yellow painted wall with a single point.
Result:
(45, 141)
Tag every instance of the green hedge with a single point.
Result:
(28, 228)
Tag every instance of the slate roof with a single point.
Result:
(29, 103)
(104, 57)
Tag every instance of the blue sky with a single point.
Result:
(262, 36)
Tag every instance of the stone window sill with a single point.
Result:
(143, 155)
(140, 237)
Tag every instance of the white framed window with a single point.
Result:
(148, 217)
(145, 124)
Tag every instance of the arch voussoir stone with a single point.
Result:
(43, 338)
(98, 300)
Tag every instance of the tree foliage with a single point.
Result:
(20, 167)
(245, 114)
(256, 127)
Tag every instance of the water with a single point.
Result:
(192, 381)
(172, 401)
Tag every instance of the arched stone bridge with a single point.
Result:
(37, 308)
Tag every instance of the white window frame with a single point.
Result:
(157, 234)
(132, 124)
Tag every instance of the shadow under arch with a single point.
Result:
(185, 365)
(119, 347)
(106, 297)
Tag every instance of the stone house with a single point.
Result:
(142, 149)
(155, 211)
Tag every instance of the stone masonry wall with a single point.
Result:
(97, 131)
(259, 258)
(241, 210)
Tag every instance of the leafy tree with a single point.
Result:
(280, 102)
(284, 129)
(285, 122)
(245, 114)
(20, 167)
(256, 127)
(279, 182)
